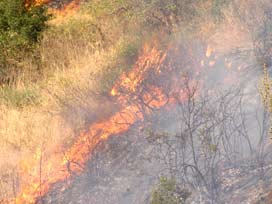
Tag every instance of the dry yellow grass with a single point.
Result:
(67, 103)
(21, 133)
(68, 100)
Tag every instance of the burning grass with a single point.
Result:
(55, 110)
(58, 168)
(81, 67)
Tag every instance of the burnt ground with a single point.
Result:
(124, 170)
(120, 171)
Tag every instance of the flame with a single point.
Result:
(209, 51)
(29, 3)
(127, 91)
(151, 59)
(202, 63)
(212, 63)
(67, 10)
(62, 168)
(137, 92)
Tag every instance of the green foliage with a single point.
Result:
(108, 22)
(21, 26)
(148, 18)
(168, 192)
(150, 14)
(20, 31)
(123, 20)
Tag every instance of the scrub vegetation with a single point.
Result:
(55, 69)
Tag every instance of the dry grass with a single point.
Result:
(71, 94)
(67, 101)
(22, 131)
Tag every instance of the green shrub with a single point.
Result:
(20, 30)
(168, 192)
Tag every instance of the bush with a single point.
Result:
(20, 29)
(168, 192)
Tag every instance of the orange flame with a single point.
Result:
(137, 94)
(29, 3)
(209, 51)
(67, 9)
(59, 168)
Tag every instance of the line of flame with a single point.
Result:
(60, 168)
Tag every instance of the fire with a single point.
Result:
(137, 92)
(132, 80)
(209, 51)
(212, 63)
(127, 91)
(59, 168)
(113, 92)
(29, 3)
(67, 9)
